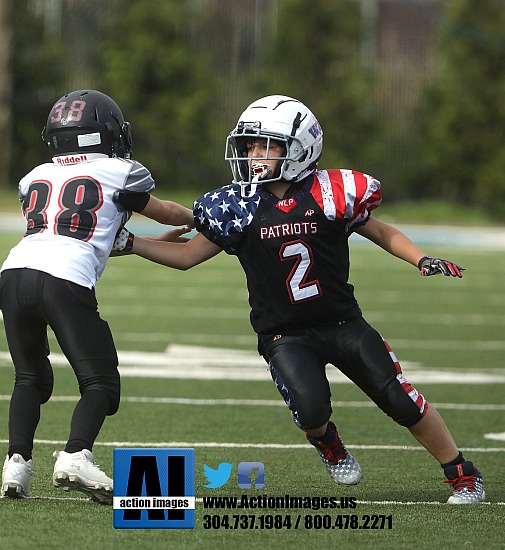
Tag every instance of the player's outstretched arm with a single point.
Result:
(392, 240)
(123, 242)
(168, 212)
(398, 244)
(176, 254)
(165, 212)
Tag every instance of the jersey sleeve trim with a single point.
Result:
(223, 214)
(139, 178)
(346, 195)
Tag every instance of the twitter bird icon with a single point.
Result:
(217, 478)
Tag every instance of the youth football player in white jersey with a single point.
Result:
(289, 226)
(73, 207)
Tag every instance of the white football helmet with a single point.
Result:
(288, 122)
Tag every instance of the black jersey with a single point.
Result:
(294, 250)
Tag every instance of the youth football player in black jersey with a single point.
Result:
(289, 225)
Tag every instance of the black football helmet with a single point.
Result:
(87, 121)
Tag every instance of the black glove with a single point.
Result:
(434, 266)
(123, 241)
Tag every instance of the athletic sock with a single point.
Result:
(458, 460)
(330, 443)
(329, 436)
(458, 467)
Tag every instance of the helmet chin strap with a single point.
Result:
(247, 191)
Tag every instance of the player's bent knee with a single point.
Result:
(45, 391)
(44, 381)
(113, 409)
(114, 395)
(408, 421)
(109, 387)
(398, 405)
(313, 418)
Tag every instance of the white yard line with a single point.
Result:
(273, 403)
(205, 363)
(234, 445)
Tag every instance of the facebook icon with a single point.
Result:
(251, 475)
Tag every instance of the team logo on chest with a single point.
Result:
(286, 204)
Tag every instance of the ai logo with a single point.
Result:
(154, 488)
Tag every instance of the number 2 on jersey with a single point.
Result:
(298, 287)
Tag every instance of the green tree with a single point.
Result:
(37, 73)
(465, 137)
(167, 89)
(315, 56)
(5, 90)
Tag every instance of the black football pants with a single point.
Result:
(31, 301)
(298, 368)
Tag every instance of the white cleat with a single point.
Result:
(16, 475)
(346, 471)
(467, 484)
(78, 472)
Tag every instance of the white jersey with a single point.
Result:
(71, 219)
